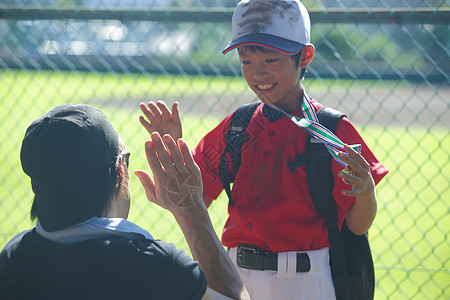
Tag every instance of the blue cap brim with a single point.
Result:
(267, 41)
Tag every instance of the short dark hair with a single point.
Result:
(296, 57)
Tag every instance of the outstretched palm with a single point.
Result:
(185, 190)
(176, 182)
(159, 118)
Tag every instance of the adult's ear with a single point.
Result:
(307, 55)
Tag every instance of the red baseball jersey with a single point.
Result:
(272, 207)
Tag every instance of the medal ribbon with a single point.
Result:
(311, 124)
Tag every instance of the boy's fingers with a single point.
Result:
(154, 109)
(163, 107)
(145, 123)
(357, 157)
(146, 110)
(355, 160)
(349, 193)
(349, 178)
(143, 107)
(175, 112)
(346, 158)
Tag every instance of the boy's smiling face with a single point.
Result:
(273, 76)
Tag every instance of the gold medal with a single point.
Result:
(348, 170)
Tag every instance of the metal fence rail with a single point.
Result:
(386, 67)
(421, 15)
(140, 63)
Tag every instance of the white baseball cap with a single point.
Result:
(280, 25)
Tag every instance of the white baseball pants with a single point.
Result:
(286, 283)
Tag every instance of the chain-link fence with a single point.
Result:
(385, 64)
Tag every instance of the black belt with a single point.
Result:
(252, 257)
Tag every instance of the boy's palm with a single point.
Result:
(159, 118)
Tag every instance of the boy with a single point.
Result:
(277, 240)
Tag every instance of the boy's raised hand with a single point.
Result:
(159, 118)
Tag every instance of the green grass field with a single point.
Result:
(409, 238)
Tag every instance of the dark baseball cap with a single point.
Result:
(70, 154)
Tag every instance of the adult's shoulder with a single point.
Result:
(133, 249)
(164, 254)
(7, 255)
(14, 242)
(147, 265)
(154, 248)
(177, 274)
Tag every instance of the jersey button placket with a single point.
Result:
(250, 226)
(272, 133)
(258, 198)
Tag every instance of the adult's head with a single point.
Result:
(71, 154)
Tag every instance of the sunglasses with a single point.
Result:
(125, 157)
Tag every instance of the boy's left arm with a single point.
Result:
(361, 215)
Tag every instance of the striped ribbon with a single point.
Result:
(311, 124)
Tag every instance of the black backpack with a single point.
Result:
(350, 256)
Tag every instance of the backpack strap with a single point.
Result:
(320, 183)
(318, 167)
(235, 138)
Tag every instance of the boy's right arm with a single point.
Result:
(159, 118)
